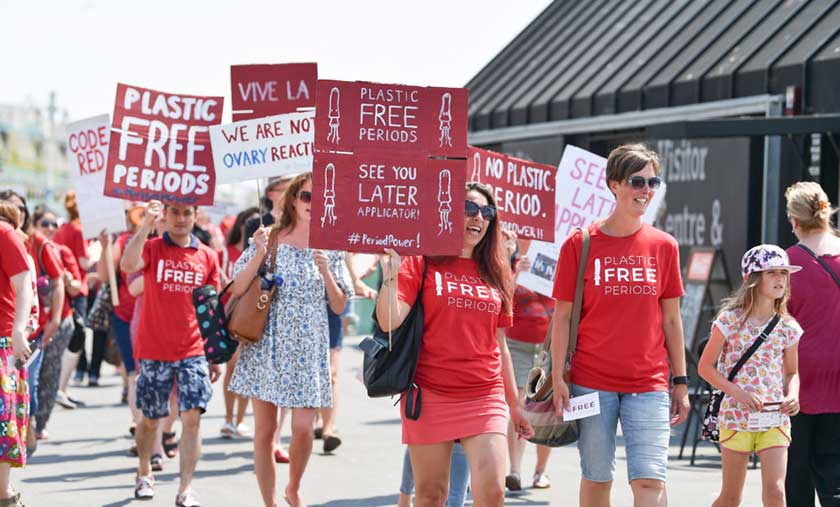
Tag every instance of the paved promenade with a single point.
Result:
(84, 463)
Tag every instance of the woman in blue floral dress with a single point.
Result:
(289, 366)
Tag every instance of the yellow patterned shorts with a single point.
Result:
(754, 441)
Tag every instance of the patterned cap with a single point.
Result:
(765, 258)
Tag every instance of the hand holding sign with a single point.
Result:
(322, 261)
(390, 262)
(261, 240)
(154, 212)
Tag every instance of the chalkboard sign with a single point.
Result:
(690, 307)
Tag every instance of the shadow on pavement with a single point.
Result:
(374, 501)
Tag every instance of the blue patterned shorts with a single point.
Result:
(155, 381)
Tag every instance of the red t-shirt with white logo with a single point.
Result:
(12, 262)
(459, 356)
(621, 344)
(531, 316)
(168, 329)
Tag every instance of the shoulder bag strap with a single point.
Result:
(575, 321)
(757, 343)
(272, 251)
(822, 263)
(422, 281)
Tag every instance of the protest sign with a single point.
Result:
(87, 142)
(270, 146)
(361, 116)
(582, 198)
(160, 147)
(366, 203)
(258, 91)
(523, 190)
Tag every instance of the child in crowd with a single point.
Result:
(756, 404)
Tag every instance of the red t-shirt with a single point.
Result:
(48, 265)
(168, 329)
(125, 309)
(815, 304)
(233, 253)
(12, 262)
(70, 234)
(621, 344)
(69, 262)
(531, 316)
(459, 356)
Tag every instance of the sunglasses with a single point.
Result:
(305, 196)
(472, 209)
(48, 223)
(638, 182)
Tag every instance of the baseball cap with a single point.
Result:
(764, 258)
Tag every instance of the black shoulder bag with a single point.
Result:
(391, 357)
(711, 431)
(822, 263)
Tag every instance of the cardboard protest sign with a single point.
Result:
(87, 142)
(582, 198)
(366, 203)
(270, 146)
(160, 147)
(523, 190)
(258, 91)
(357, 116)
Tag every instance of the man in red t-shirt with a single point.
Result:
(169, 344)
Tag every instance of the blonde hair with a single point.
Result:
(743, 298)
(628, 159)
(71, 205)
(808, 203)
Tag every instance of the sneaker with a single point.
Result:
(228, 430)
(64, 400)
(513, 483)
(187, 499)
(74, 401)
(541, 480)
(157, 463)
(280, 456)
(243, 431)
(144, 488)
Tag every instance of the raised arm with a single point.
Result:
(131, 260)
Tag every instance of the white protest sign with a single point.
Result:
(582, 406)
(264, 147)
(87, 142)
(582, 197)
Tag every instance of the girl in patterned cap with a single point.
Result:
(757, 403)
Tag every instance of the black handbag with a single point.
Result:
(390, 360)
(77, 340)
(711, 429)
(99, 315)
(219, 347)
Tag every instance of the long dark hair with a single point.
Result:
(489, 254)
(288, 218)
(235, 233)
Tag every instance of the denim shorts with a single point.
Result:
(645, 425)
(156, 379)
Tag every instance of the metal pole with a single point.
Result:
(771, 186)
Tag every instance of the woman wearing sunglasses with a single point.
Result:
(464, 368)
(289, 366)
(630, 335)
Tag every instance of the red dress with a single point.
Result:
(460, 368)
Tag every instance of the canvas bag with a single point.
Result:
(550, 429)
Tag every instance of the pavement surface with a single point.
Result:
(84, 461)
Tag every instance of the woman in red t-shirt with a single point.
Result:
(814, 454)
(464, 369)
(234, 246)
(630, 335)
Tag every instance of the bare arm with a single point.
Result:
(244, 278)
(790, 369)
(131, 260)
(336, 297)
(22, 285)
(521, 426)
(675, 343)
(135, 288)
(559, 348)
(390, 311)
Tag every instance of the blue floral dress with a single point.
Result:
(289, 366)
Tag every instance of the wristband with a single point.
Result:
(680, 380)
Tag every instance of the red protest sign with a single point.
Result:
(523, 190)
(160, 147)
(368, 202)
(262, 90)
(357, 116)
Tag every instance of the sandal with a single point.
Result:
(157, 463)
(12, 501)
(170, 449)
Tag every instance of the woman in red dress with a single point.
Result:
(464, 368)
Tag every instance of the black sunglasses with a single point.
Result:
(638, 182)
(47, 223)
(472, 209)
(305, 196)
